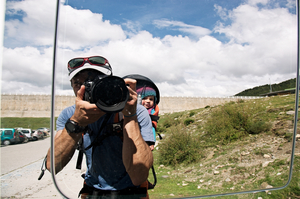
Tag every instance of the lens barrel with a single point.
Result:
(109, 93)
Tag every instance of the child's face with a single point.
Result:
(148, 101)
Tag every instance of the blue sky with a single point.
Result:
(145, 12)
(188, 48)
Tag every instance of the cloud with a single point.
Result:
(182, 27)
(261, 39)
(82, 29)
(33, 26)
(78, 29)
(261, 48)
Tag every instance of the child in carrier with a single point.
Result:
(148, 99)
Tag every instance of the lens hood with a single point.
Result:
(110, 94)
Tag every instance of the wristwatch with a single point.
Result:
(73, 127)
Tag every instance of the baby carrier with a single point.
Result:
(143, 82)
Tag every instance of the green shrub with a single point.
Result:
(188, 121)
(178, 147)
(289, 136)
(192, 113)
(233, 121)
(258, 127)
(170, 121)
(160, 128)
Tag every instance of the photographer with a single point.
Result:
(117, 165)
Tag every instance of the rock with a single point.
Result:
(266, 156)
(290, 112)
(172, 194)
(269, 187)
(245, 153)
(246, 175)
(188, 171)
(265, 164)
(216, 172)
(265, 185)
(164, 176)
(227, 180)
(201, 180)
(184, 184)
(210, 156)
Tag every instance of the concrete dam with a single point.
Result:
(40, 105)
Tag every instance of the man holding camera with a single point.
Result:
(117, 156)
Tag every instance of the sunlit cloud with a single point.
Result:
(261, 48)
(180, 26)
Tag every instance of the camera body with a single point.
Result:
(109, 93)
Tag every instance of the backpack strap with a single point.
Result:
(80, 153)
(154, 118)
(80, 143)
(145, 185)
(43, 168)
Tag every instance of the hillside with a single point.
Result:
(256, 91)
(228, 148)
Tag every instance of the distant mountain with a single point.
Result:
(256, 91)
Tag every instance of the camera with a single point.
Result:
(109, 93)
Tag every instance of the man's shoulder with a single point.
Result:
(141, 109)
(69, 111)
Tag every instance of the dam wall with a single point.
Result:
(40, 105)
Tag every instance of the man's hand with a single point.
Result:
(130, 107)
(85, 112)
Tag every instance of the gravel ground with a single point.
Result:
(24, 183)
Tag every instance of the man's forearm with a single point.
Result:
(137, 156)
(64, 148)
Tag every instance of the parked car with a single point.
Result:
(27, 132)
(9, 136)
(37, 134)
(23, 137)
(45, 130)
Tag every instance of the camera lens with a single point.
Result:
(110, 94)
(110, 91)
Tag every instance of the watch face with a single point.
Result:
(70, 127)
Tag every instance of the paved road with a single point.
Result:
(20, 169)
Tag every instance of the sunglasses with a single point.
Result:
(95, 60)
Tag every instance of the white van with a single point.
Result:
(27, 132)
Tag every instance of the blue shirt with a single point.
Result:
(105, 169)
